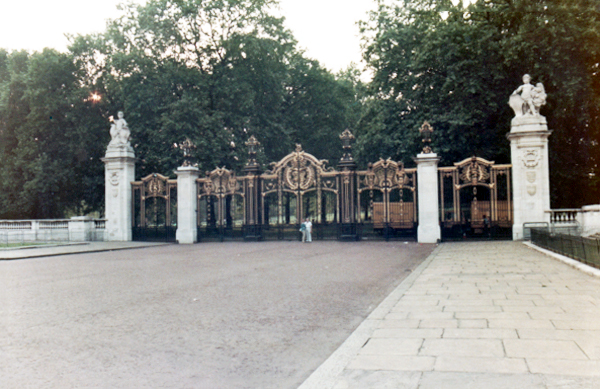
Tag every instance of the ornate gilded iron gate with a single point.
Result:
(377, 203)
(387, 201)
(475, 200)
(298, 187)
(154, 208)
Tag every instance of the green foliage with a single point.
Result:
(48, 153)
(456, 67)
(216, 72)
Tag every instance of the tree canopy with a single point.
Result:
(49, 133)
(456, 67)
(215, 72)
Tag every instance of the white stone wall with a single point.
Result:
(76, 229)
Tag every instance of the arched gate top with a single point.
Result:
(155, 185)
(299, 170)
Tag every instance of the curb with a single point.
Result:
(37, 254)
(571, 262)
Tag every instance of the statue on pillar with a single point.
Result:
(527, 99)
(119, 132)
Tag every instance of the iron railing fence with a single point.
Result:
(582, 249)
(291, 232)
(154, 234)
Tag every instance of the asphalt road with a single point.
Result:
(212, 315)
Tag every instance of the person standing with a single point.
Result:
(486, 226)
(303, 231)
(308, 225)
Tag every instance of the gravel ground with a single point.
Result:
(213, 315)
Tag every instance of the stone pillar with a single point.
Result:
(590, 219)
(530, 173)
(119, 172)
(187, 204)
(427, 186)
(80, 228)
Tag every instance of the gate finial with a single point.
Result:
(347, 139)
(252, 144)
(426, 130)
(187, 145)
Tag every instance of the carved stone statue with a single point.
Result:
(527, 99)
(119, 132)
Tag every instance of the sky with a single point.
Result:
(325, 29)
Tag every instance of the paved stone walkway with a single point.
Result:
(477, 315)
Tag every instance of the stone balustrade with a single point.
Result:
(75, 229)
(564, 216)
(583, 221)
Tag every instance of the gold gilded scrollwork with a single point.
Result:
(298, 174)
(475, 172)
(219, 182)
(155, 186)
(299, 170)
(386, 174)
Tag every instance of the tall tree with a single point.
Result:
(456, 67)
(217, 72)
(46, 149)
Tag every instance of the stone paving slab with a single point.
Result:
(477, 315)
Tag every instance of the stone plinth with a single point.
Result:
(81, 228)
(427, 181)
(187, 204)
(530, 172)
(119, 172)
(590, 220)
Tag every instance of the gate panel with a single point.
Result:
(387, 206)
(221, 206)
(154, 208)
(299, 187)
(475, 200)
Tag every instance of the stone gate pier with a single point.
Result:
(529, 156)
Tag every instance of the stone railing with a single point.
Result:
(565, 220)
(76, 229)
(564, 216)
(583, 221)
